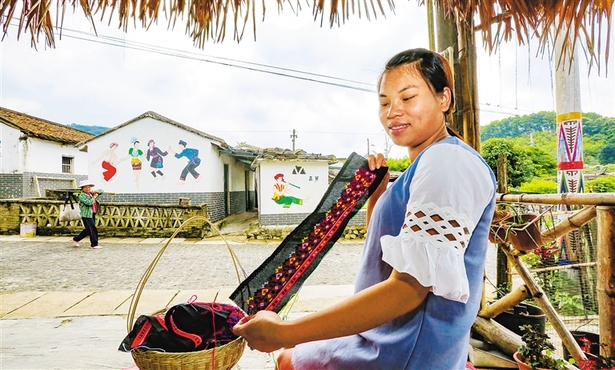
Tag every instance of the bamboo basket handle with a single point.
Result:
(134, 301)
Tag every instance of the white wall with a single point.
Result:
(306, 180)
(9, 150)
(237, 175)
(165, 135)
(36, 155)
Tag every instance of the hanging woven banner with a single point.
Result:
(281, 275)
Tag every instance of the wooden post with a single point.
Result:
(606, 277)
(467, 91)
(503, 278)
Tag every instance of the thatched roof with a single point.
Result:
(585, 20)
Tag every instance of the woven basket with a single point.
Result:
(219, 358)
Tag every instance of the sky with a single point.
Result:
(297, 75)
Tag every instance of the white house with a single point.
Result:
(36, 154)
(153, 159)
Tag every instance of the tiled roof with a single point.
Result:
(294, 155)
(162, 118)
(41, 128)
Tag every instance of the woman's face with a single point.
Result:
(86, 189)
(410, 112)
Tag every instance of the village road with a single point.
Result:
(58, 266)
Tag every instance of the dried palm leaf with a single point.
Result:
(587, 21)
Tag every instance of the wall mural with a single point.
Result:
(282, 190)
(292, 187)
(193, 162)
(150, 165)
(109, 161)
(155, 157)
(136, 161)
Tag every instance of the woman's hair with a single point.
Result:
(433, 67)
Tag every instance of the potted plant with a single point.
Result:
(594, 361)
(537, 352)
(522, 230)
(588, 341)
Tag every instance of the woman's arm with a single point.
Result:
(372, 307)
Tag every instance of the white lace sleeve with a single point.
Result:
(448, 194)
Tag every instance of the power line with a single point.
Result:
(241, 64)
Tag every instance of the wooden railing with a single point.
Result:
(112, 220)
(599, 206)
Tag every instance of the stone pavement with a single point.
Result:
(63, 307)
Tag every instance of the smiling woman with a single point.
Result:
(424, 252)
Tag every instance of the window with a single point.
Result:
(67, 164)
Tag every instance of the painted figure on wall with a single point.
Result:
(136, 162)
(193, 162)
(108, 161)
(154, 155)
(281, 191)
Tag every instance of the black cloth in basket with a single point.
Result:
(185, 327)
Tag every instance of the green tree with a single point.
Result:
(607, 153)
(544, 163)
(519, 164)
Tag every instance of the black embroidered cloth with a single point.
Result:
(281, 275)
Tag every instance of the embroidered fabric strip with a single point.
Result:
(281, 275)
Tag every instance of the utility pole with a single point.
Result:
(293, 136)
(569, 133)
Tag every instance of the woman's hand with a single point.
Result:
(263, 331)
(375, 162)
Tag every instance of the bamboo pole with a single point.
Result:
(543, 302)
(503, 276)
(563, 267)
(606, 277)
(511, 299)
(496, 333)
(605, 199)
(503, 338)
(573, 222)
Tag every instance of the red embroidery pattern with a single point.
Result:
(287, 275)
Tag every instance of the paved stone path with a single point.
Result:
(53, 264)
(63, 307)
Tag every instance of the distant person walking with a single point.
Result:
(88, 205)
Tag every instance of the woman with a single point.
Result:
(419, 285)
(88, 206)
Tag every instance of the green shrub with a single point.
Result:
(539, 186)
(603, 184)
